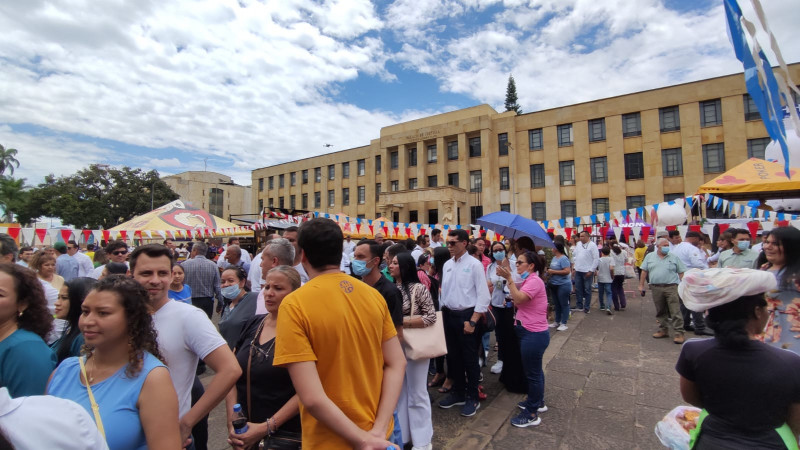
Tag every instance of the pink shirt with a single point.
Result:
(533, 314)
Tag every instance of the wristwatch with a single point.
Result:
(472, 323)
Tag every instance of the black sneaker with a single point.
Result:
(526, 419)
(470, 408)
(452, 400)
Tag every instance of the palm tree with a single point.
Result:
(12, 196)
(8, 160)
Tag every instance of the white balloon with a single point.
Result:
(673, 214)
(774, 153)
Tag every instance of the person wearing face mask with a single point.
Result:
(502, 306)
(366, 264)
(560, 284)
(665, 271)
(240, 305)
(740, 255)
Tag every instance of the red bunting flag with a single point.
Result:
(106, 235)
(753, 227)
(123, 234)
(694, 228)
(645, 233)
(14, 232)
(723, 227)
(371, 229)
(358, 228)
(603, 232)
(569, 232)
(626, 232)
(66, 235)
(781, 223)
(41, 233)
(86, 235)
(671, 228)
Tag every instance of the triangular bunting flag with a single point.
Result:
(753, 227)
(27, 236)
(767, 226)
(617, 232)
(86, 235)
(682, 229)
(41, 233)
(723, 227)
(55, 235)
(637, 231)
(14, 232)
(106, 235)
(626, 232)
(645, 233)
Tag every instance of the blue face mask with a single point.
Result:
(524, 275)
(359, 268)
(499, 256)
(664, 250)
(231, 291)
(743, 245)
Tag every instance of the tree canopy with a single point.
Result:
(96, 197)
(8, 159)
(511, 96)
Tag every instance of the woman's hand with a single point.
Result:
(254, 433)
(504, 272)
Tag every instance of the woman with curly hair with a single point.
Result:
(123, 368)
(25, 360)
(68, 308)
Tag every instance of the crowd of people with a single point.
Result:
(126, 335)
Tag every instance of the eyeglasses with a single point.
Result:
(123, 252)
(452, 243)
(519, 263)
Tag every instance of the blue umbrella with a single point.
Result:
(515, 226)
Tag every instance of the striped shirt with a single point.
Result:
(202, 276)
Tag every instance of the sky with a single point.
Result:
(231, 86)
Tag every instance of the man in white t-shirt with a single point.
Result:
(185, 336)
(85, 265)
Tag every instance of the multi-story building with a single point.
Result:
(213, 192)
(590, 158)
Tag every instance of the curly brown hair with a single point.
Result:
(38, 259)
(36, 317)
(139, 320)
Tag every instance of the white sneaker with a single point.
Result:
(497, 367)
(424, 447)
(562, 327)
(552, 325)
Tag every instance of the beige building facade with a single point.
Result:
(213, 192)
(590, 158)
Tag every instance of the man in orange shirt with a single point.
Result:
(335, 336)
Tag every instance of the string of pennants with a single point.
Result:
(34, 236)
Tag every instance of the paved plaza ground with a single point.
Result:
(607, 384)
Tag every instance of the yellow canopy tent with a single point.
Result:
(754, 179)
(181, 221)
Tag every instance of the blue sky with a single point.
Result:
(247, 84)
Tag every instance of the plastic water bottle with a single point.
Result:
(239, 421)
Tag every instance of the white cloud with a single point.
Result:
(167, 162)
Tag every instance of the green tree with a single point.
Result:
(511, 96)
(97, 196)
(8, 159)
(12, 196)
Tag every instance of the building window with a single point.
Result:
(597, 130)
(305, 176)
(292, 204)
(395, 216)
(672, 197)
(394, 185)
(474, 213)
(346, 170)
(413, 216)
(634, 166)
(280, 180)
(271, 182)
(433, 181)
(669, 119)
(293, 178)
(362, 195)
(260, 184)
(432, 153)
(317, 199)
(714, 158)
(505, 207)
(565, 135)
(539, 211)
(377, 191)
(599, 169)
(504, 179)
(331, 172)
(710, 113)
(317, 174)
(271, 203)
(502, 143)
(566, 170)
(378, 164)
(672, 162)
(452, 179)
(412, 183)
(634, 201)
(393, 160)
(474, 147)
(331, 197)
(261, 204)
(305, 201)
(631, 124)
(756, 147)
(750, 109)
(475, 181)
(215, 200)
(345, 196)
(412, 157)
(599, 205)
(433, 216)
(535, 139)
(362, 167)
(568, 208)
(537, 175)
(452, 150)
(282, 202)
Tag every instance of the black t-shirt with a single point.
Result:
(394, 299)
(747, 391)
(270, 387)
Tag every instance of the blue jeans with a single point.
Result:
(583, 290)
(603, 291)
(561, 294)
(532, 346)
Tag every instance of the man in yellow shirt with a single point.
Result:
(336, 338)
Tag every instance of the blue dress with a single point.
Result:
(25, 363)
(117, 396)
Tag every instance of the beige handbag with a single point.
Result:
(424, 343)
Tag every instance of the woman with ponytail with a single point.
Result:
(748, 390)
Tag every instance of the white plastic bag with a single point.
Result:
(670, 430)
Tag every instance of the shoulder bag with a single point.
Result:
(427, 342)
(95, 406)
